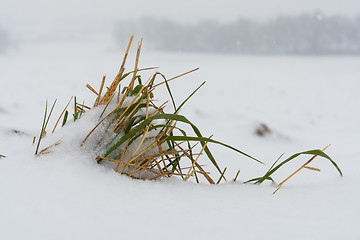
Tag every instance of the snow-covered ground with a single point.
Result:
(307, 102)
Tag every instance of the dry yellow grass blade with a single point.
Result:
(125, 163)
(203, 172)
(131, 85)
(161, 172)
(131, 103)
(146, 129)
(141, 142)
(117, 108)
(92, 89)
(132, 159)
(312, 168)
(143, 166)
(162, 155)
(190, 172)
(83, 106)
(236, 176)
(183, 74)
(124, 120)
(100, 91)
(222, 176)
(44, 151)
(115, 83)
(122, 155)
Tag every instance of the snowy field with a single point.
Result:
(307, 102)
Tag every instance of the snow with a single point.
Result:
(307, 102)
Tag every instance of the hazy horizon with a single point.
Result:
(41, 20)
(184, 11)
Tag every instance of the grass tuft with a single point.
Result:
(138, 138)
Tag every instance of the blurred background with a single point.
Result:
(228, 26)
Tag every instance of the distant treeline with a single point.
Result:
(303, 34)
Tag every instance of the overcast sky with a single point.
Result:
(22, 15)
(183, 10)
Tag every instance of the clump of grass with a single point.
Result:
(138, 138)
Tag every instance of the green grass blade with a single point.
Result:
(257, 179)
(272, 166)
(205, 139)
(317, 152)
(44, 124)
(136, 89)
(51, 110)
(106, 106)
(135, 104)
(168, 89)
(65, 117)
(42, 129)
(183, 103)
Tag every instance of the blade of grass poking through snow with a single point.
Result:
(316, 152)
(82, 108)
(100, 91)
(269, 178)
(2, 156)
(183, 103)
(75, 110)
(42, 129)
(106, 106)
(303, 166)
(236, 176)
(44, 125)
(65, 118)
(222, 176)
(51, 110)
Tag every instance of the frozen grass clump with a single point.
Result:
(126, 130)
